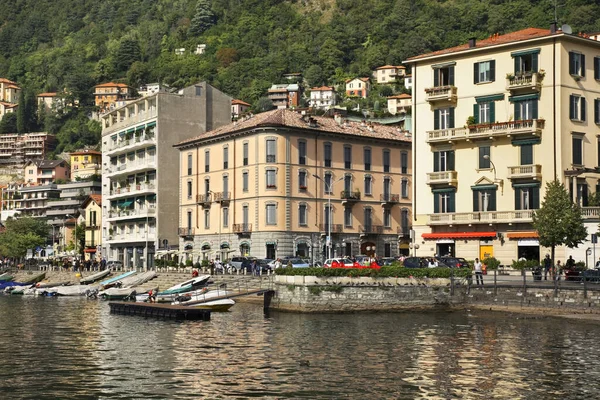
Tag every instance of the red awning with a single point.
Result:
(522, 235)
(459, 235)
(89, 250)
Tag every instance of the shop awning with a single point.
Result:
(89, 250)
(522, 235)
(459, 235)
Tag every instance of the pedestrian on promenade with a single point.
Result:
(103, 264)
(559, 270)
(547, 266)
(478, 272)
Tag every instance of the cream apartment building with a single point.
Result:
(140, 170)
(262, 187)
(494, 120)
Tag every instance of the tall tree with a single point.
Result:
(8, 124)
(203, 19)
(559, 221)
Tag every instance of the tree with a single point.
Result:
(263, 104)
(27, 112)
(559, 221)
(8, 124)
(203, 19)
(22, 234)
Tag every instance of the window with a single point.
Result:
(582, 195)
(327, 154)
(577, 153)
(302, 152)
(404, 163)
(526, 154)
(245, 151)
(348, 184)
(225, 157)
(368, 185)
(189, 220)
(207, 161)
(207, 219)
(597, 111)
(443, 76)
(483, 162)
(245, 181)
(484, 71)
(245, 215)
(302, 215)
(527, 197)
(327, 183)
(271, 151)
(484, 199)
(302, 185)
(189, 190)
(367, 157)
(347, 216)
(189, 164)
(387, 188)
(443, 161)
(225, 217)
(404, 223)
(577, 107)
(386, 161)
(368, 218)
(271, 179)
(526, 109)
(597, 68)
(526, 63)
(327, 217)
(226, 185)
(443, 201)
(404, 188)
(271, 214)
(576, 64)
(347, 157)
(207, 187)
(484, 112)
(443, 118)
(387, 218)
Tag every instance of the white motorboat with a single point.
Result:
(203, 297)
(138, 279)
(188, 286)
(216, 305)
(75, 290)
(117, 294)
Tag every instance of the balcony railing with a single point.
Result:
(132, 213)
(335, 228)
(131, 143)
(480, 131)
(486, 217)
(92, 243)
(222, 197)
(371, 229)
(204, 199)
(242, 228)
(129, 166)
(186, 231)
(525, 171)
(350, 195)
(440, 93)
(442, 178)
(525, 81)
(389, 198)
(129, 190)
(590, 212)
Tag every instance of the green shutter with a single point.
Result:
(526, 154)
(597, 111)
(531, 140)
(525, 52)
(476, 73)
(493, 70)
(492, 204)
(475, 200)
(493, 112)
(534, 109)
(436, 203)
(517, 61)
(517, 111)
(450, 160)
(436, 161)
(597, 68)
(572, 63)
(451, 117)
(583, 65)
(524, 97)
(451, 201)
(476, 112)
(451, 76)
(151, 124)
(488, 98)
(436, 77)
(444, 190)
(571, 107)
(436, 119)
(535, 198)
(534, 63)
(582, 102)
(517, 199)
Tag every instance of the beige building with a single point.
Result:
(16, 149)
(399, 104)
(263, 187)
(9, 96)
(43, 172)
(108, 95)
(85, 163)
(494, 120)
(92, 211)
(389, 73)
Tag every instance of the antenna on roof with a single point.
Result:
(566, 28)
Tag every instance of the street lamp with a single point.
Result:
(329, 217)
(496, 180)
(75, 232)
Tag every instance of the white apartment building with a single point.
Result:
(322, 97)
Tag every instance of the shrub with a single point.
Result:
(205, 263)
(188, 263)
(384, 272)
(197, 265)
(525, 264)
(491, 263)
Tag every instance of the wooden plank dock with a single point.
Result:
(157, 310)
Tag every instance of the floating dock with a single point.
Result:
(157, 310)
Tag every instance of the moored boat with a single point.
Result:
(203, 297)
(117, 294)
(95, 277)
(34, 279)
(43, 285)
(221, 305)
(112, 281)
(138, 279)
(6, 277)
(19, 289)
(75, 290)
(187, 286)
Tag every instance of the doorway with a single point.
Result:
(445, 249)
(271, 251)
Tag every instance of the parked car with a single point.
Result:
(241, 264)
(388, 261)
(342, 262)
(114, 265)
(299, 263)
(421, 262)
(454, 262)
(265, 264)
(590, 275)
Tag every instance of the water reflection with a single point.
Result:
(73, 348)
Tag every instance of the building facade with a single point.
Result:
(43, 172)
(389, 74)
(399, 104)
(517, 110)
(85, 163)
(358, 87)
(17, 149)
(9, 96)
(238, 108)
(285, 95)
(92, 211)
(34, 200)
(278, 184)
(140, 192)
(322, 97)
(107, 95)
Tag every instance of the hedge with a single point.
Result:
(384, 272)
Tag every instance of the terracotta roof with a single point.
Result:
(85, 153)
(391, 67)
(47, 94)
(11, 86)
(97, 198)
(322, 88)
(4, 80)
(240, 102)
(8, 105)
(47, 163)
(494, 40)
(362, 79)
(291, 119)
(112, 84)
(401, 96)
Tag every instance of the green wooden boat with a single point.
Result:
(6, 278)
(34, 279)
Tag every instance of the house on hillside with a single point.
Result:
(107, 95)
(399, 104)
(85, 163)
(43, 172)
(358, 87)
(9, 96)
(238, 107)
(389, 73)
(285, 95)
(322, 97)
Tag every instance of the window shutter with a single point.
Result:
(436, 77)
(450, 160)
(436, 203)
(517, 111)
(493, 70)
(597, 68)
(572, 63)
(451, 202)
(576, 143)
(584, 195)
(493, 111)
(492, 202)
(517, 65)
(475, 200)
(451, 117)
(476, 112)
(534, 63)
(535, 198)
(571, 106)
(582, 65)
(534, 109)
(436, 119)
(436, 161)
(597, 111)
(583, 106)
(598, 186)
(451, 76)
(526, 154)
(476, 73)
(517, 199)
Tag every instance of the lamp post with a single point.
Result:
(75, 232)
(496, 180)
(329, 217)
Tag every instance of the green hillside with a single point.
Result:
(50, 45)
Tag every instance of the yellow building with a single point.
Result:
(494, 120)
(92, 211)
(108, 95)
(277, 184)
(85, 163)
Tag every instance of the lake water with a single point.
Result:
(72, 348)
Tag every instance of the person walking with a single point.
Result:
(478, 272)
(547, 266)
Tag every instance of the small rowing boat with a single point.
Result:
(117, 294)
(95, 277)
(187, 286)
(34, 279)
(112, 281)
(221, 305)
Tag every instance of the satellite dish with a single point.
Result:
(566, 28)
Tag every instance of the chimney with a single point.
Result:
(472, 42)
(553, 27)
(338, 118)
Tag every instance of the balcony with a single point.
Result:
(525, 172)
(242, 228)
(141, 116)
(129, 167)
(590, 212)
(335, 228)
(483, 217)
(187, 231)
(115, 214)
(442, 178)
(128, 191)
(526, 82)
(487, 131)
(222, 197)
(440, 93)
(128, 145)
(131, 238)
(349, 196)
(389, 198)
(370, 229)
(204, 199)
(92, 243)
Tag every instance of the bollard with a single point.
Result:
(495, 283)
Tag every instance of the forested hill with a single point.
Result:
(49, 45)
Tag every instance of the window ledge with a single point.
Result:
(484, 83)
(484, 169)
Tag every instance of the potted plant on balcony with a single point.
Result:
(470, 121)
(110, 233)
